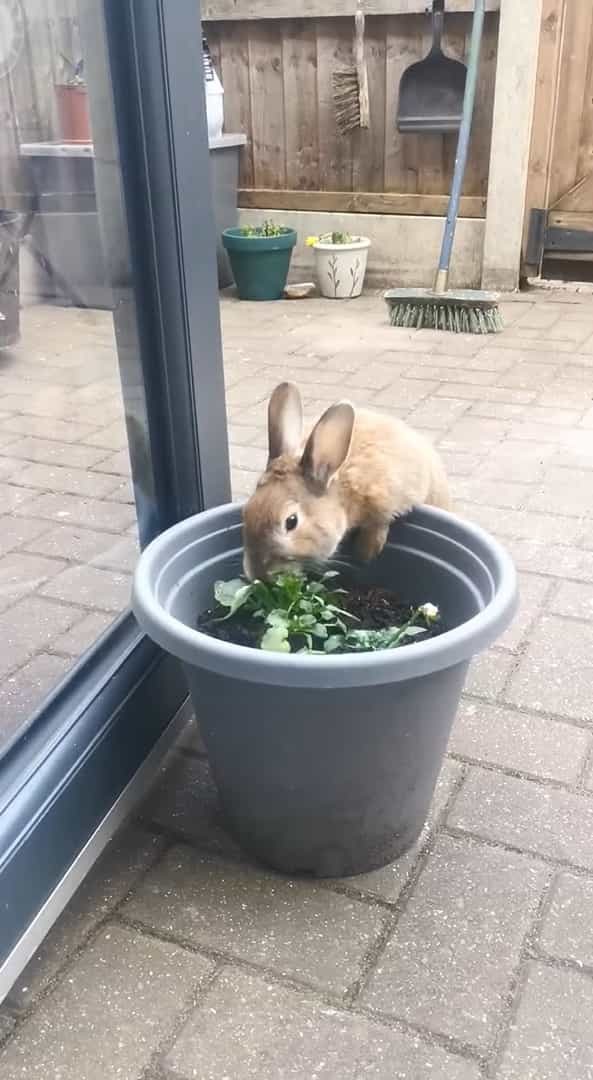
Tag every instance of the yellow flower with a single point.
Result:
(311, 241)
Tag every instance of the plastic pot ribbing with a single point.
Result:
(327, 765)
(259, 263)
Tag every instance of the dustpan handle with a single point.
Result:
(438, 18)
(469, 98)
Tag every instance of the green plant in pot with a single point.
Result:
(260, 257)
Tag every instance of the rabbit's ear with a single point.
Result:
(328, 444)
(285, 421)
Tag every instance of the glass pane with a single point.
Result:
(68, 529)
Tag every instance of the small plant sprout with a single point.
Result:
(307, 615)
(268, 228)
(331, 238)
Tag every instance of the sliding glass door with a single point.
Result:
(112, 420)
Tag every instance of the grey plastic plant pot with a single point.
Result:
(327, 765)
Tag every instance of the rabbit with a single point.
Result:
(356, 472)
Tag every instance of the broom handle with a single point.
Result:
(361, 69)
(469, 98)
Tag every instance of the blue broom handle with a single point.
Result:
(469, 98)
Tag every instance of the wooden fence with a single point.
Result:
(277, 78)
(561, 160)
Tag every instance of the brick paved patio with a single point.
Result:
(470, 957)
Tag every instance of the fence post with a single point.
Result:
(518, 48)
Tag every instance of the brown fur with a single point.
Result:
(357, 471)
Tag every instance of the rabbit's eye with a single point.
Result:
(291, 523)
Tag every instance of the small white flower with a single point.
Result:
(430, 612)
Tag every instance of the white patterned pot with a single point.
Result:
(341, 267)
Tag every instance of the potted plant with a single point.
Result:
(73, 103)
(326, 761)
(341, 262)
(260, 257)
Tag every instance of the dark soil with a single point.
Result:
(374, 608)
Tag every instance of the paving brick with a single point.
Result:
(555, 675)
(488, 673)
(118, 462)
(12, 496)
(518, 461)
(560, 395)
(565, 491)
(9, 467)
(241, 434)
(388, 882)
(496, 410)
(475, 434)
(29, 626)
(7, 1024)
(248, 457)
(403, 394)
(293, 1035)
(451, 960)
(533, 594)
(574, 600)
(73, 481)
(437, 413)
(575, 451)
(566, 931)
(139, 983)
(558, 417)
(75, 509)
(49, 452)
(522, 741)
(123, 862)
(527, 815)
(22, 573)
(104, 590)
(22, 693)
(373, 376)
(495, 394)
(185, 802)
(70, 542)
(498, 493)
(49, 428)
(296, 928)
(539, 316)
(82, 634)
(111, 437)
(121, 556)
(532, 431)
(524, 524)
(551, 1038)
(458, 463)
(557, 560)
(17, 532)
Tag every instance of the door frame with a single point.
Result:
(88, 754)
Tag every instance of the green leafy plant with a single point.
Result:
(309, 611)
(331, 238)
(269, 228)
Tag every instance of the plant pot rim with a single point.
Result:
(254, 665)
(234, 240)
(358, 243)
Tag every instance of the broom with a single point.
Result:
(351, 87)
(467, 310)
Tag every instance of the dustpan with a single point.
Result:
(431, 90)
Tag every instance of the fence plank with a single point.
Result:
(357, 202)
(299, 69)
(368, 146)
(234, 73)
(334, 53)
(577, 46)
(267, 105)
(403, 46)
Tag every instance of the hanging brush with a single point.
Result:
(469, 311)
(351, 86)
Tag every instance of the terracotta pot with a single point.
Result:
(73, 113)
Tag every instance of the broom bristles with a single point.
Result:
(439, 315)
(346, 94)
